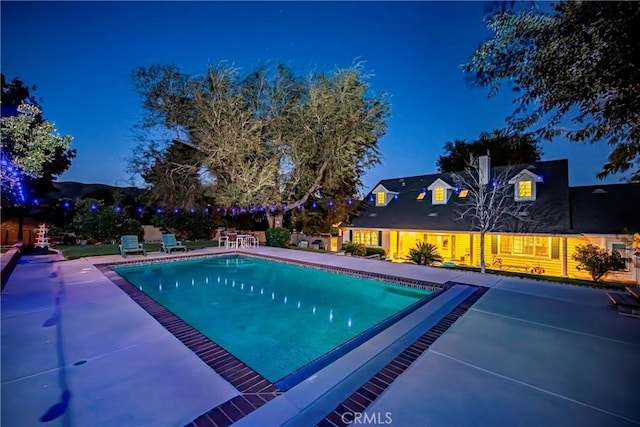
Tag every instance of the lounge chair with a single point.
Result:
(170, 243)
(129, 243)
(627, 304)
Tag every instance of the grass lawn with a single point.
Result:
(79, 251)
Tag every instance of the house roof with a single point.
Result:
(549, 213)
(606, 209)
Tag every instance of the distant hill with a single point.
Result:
(74, 190)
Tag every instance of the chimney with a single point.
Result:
(484, 169)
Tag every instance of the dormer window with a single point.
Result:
(525, 185)
(440, 192)
(382, 195)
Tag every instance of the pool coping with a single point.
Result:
(254, 388)
(360, 400)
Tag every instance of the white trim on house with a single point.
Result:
(388, 195)
(525, 176)
(446, 188)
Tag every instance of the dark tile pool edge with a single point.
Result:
(411, 283)
(365, 395)
(256, 390)
(404, 281)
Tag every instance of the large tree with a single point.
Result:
(268, 140)
(580, 62)
(32, 153)
(173, 173)
(507, 148)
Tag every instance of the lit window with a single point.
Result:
(366, 237)
(463, 194)
(380, 198)
(420, 196)
(524, 189)
(439, 194)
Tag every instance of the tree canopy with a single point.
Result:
(32, 151)
(580, 62)
(505, 148)
(267, 139)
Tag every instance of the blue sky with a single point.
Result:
(80, 55)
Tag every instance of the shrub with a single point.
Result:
(92, 220)
(424, 254)
(187, 225)
(278, 237)
(375, 251)
(597, 261)
(356, 249)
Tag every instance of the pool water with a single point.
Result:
(275, 317)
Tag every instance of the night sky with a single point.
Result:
(80, 55)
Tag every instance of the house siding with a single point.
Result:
(464, 249)
(521, 263)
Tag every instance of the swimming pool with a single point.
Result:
(275, 317)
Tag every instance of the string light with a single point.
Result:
(230, 210)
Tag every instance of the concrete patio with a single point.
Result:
(77, 351)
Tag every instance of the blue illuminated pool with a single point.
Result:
(275, 317)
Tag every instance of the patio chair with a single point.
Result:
(129, 243)
(170, 243)
(232, 241)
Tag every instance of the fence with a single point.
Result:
(9, 235)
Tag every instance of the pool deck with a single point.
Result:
(77, 351)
